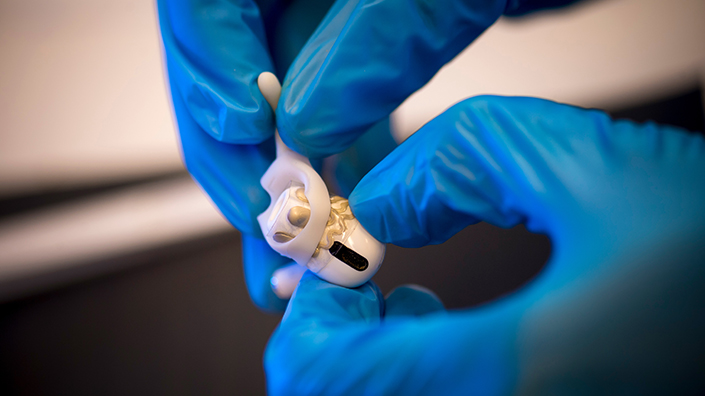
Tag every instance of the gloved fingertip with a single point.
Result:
(366, 204)
(412, 300)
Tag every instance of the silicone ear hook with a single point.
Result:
(304, 223)
(289, 167)
(271, 90)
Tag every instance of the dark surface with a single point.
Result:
(180, 323)
(684, 110)
(178, 320)
(477, 265)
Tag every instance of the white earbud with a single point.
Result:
(307, 225)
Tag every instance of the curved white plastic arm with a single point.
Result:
(289, 167)
(317, 231)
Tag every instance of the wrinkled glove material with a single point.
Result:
(618, 308)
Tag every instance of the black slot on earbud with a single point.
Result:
(350, 257)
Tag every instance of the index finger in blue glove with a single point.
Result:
(367, 57)
(214, 52)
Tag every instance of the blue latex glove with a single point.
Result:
(368, 56)
(214, 51)
(618, 308)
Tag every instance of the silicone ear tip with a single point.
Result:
(270, 88)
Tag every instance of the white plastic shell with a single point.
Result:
(363, 244)
(340, 226)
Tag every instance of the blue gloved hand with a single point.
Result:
(368, 56)
(214, 51)
(618, 308)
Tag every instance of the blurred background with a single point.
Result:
(118, 276)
